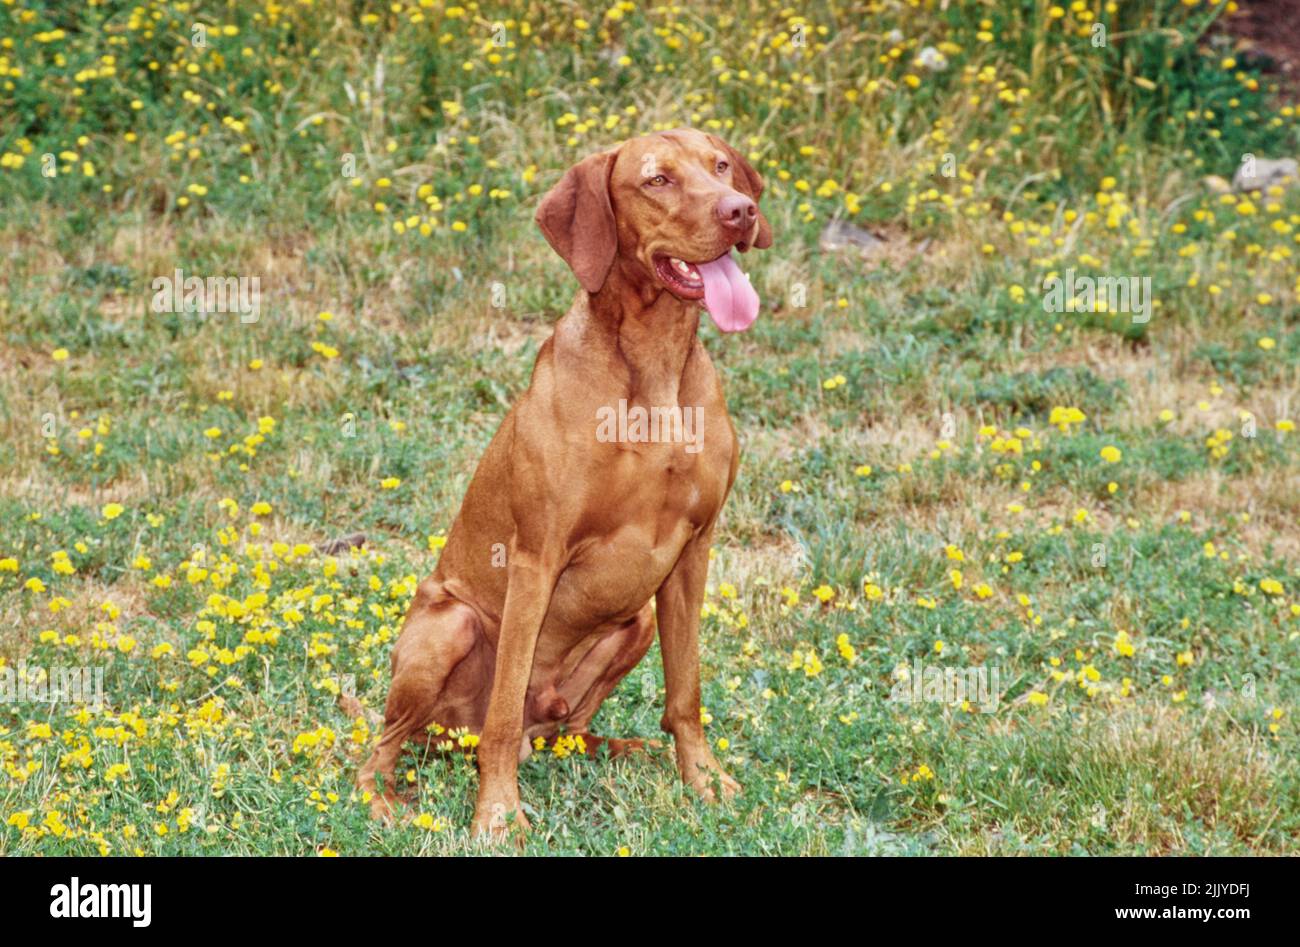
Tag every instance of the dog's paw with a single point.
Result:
(497, 822)
(708, 779)
(382, 809)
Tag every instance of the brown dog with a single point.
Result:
(578, 514)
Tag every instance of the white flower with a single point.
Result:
(932, 59)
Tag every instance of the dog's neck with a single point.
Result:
(645, 330)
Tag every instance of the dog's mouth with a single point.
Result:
(682, 279)
(720, 283)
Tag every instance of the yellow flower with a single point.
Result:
(847, 651)
(111, 511)
(1111, 454)
(390, 483)
(1063, 418)
(59, 355)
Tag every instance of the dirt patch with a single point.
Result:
(1270, 29)
(1270, 499)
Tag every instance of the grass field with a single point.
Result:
(936, 473)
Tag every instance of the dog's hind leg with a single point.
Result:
(599, 673)
(439, 634)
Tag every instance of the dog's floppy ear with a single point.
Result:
(577, 219)
(748, 182)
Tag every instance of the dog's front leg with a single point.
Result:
(531, 580)
(678, 603)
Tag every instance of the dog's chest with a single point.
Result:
(653, 501)
(671, 484)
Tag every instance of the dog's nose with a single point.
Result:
(737, 212)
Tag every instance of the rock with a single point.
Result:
(344, 543)
(1256, 174)
(840, 235)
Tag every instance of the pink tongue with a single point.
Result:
(730, 299)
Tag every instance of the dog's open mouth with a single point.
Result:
(720, 283)
(682, 278)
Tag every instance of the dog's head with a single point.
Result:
(671, 206)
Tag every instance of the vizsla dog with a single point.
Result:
(541, 600)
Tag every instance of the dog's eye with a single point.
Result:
(657, 181)
(722, 166)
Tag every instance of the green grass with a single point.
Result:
(1146, 635)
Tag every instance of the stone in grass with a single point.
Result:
(1256, 174)
(839, 236)
(874, 247)
(333, 547)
